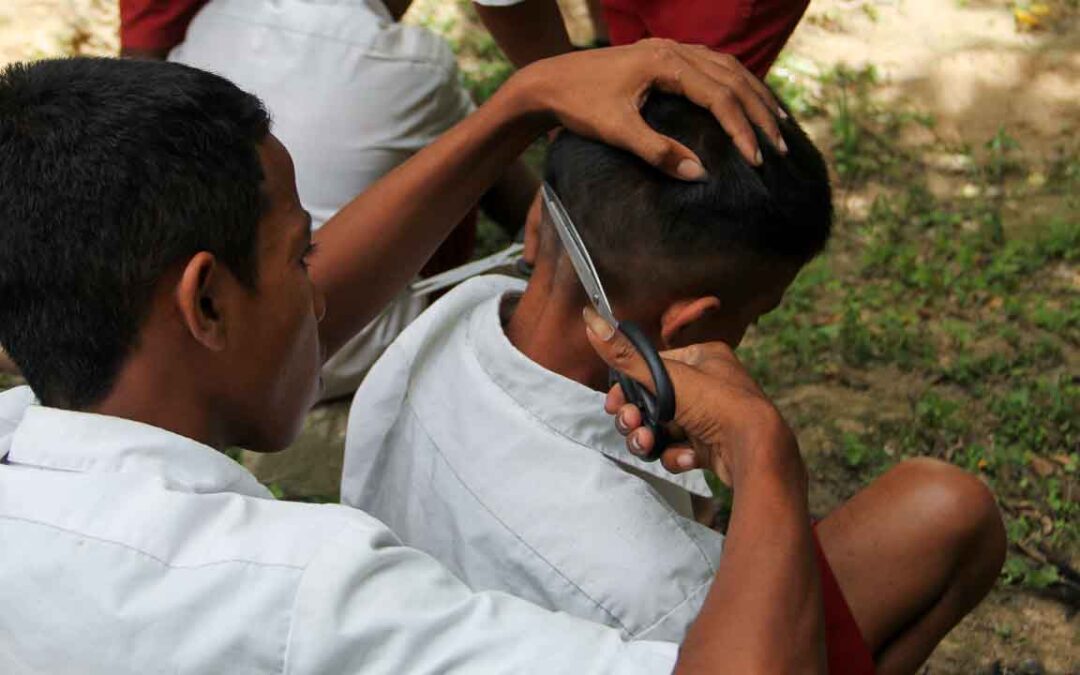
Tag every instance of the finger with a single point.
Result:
(729, 62)
(614, 400)
(663, 152)
(615, 349)
(679, 458)
(640, 442)
(628, 419)
(620, 354)
(724, 99)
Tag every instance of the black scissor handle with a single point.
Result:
(658, 410)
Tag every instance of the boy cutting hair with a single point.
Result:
(477, 436)
(157, 289)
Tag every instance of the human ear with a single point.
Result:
(532, 231)
(682, 314)
(198, 297)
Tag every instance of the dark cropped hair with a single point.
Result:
(111, 172)
(646, 231)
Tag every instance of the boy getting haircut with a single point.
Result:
(532, 491)
(478, 436)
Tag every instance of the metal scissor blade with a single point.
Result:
(579, 255)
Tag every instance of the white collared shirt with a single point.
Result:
(128, 549)
(514, 477)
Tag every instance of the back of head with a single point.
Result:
(111, 172)
(647, 232)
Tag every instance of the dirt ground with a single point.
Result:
(969, 63)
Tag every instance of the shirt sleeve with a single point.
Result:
(367, 603)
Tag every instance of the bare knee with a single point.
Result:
(960, 509)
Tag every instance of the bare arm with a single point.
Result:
(528, 31)
(763, 613)
(370, 250)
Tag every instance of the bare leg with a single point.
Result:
(914, 553)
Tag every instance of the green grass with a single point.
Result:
(961, 330)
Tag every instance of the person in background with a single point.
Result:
(353, 94)
(753, 31)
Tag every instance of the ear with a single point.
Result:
(683, 313)
(198, 297)
(532, 231)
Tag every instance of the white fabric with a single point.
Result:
(352, 95)
(512, 476)
(128, 549)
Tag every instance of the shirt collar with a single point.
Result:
(567, 408)
(66, 440)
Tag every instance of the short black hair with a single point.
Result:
(111, 172)
(642, 227)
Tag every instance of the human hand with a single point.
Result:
(598, 93)
(723, 421)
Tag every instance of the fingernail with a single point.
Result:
(758, 159)
(781, 144)
(620, 424)
(685, 460)
(635, 446)
(597, 325)
(688, 169)
(781, 113)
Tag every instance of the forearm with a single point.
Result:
(508, 201)
(763, 613)
(373, 247)
(528, 31)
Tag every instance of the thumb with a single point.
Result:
(614, 348)
(619, 353)
(663, 152)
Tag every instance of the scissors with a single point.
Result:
(656, 410)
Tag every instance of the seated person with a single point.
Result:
(353, 94)
(477, 437)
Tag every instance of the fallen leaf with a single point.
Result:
(1043, 467)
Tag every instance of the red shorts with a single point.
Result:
(155, 25)
(848, 652)
(754, 31)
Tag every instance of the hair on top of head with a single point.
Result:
(112, 171)
(631, 216)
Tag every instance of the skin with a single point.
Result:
(240, 364)
(914, 552)
(528, 31)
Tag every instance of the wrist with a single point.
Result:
(525, 95)
(770, 450)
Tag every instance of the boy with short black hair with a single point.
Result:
(477, 436)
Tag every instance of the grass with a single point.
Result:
(978, 319)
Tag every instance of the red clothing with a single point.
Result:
(848, 652)
(155, 25)
(754, 31)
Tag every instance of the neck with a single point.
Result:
(159, 392)
(546, 326)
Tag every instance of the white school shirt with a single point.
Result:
(514, 477)
(352, 94)
(125, 548)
